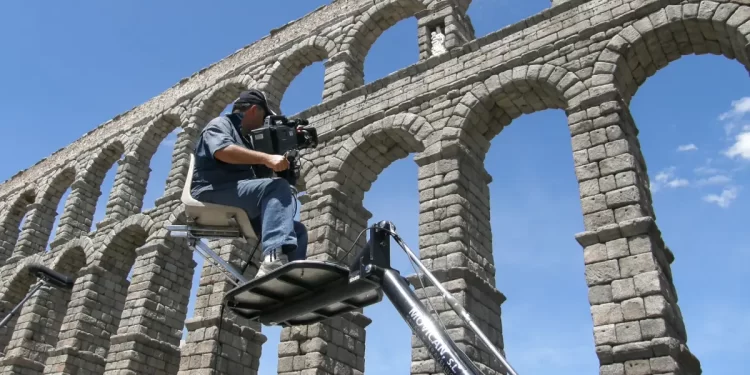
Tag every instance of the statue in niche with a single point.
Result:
(438, 42)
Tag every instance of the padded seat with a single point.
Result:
(213, 220)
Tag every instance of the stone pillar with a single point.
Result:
(334, 346)
(78, 214)
(35, 332)
(218, 341)
(452, 28)
(455, 244)
(180, 161)
(638, 327)
(93, 316)
(342, 74)
(148, 339)
(126, 197)
(337, 345)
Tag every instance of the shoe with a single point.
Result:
(271, 262)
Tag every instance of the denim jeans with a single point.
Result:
(269, 204)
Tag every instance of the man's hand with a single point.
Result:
(277, 162)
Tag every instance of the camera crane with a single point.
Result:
(306, 292)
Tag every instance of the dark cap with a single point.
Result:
(254, 96)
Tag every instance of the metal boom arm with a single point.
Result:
(374, 265)
(453, 360)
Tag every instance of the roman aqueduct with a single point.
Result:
(587, 58)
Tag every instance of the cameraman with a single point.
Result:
(225, 173)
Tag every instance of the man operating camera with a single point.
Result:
(227, 171)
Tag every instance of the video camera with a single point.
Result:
(282, 136)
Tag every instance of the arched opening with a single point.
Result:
(305, 89)
(528, 198)
(12, 221)
(103, 172)
(160, 165)
(394, 196)
(58, 216)
(696, 151)
(37, 229)
(133, 189)
(535, 211)
(393, 50)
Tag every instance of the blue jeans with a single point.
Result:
(269, 205)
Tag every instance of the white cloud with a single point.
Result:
(690, 147)
(667, 178)
(741, 147)
(706, 170)
(680, 182)
(726, 198)
(715, 180)
(739, 109)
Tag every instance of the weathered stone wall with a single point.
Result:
(587, 58)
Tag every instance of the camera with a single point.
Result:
(282, 136)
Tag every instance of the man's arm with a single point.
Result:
(233, 154)
(222, 148)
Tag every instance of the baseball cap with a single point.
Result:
(254, 96)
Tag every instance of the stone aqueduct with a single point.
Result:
(587, 58)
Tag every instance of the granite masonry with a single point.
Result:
(587, 58)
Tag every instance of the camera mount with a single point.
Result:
(282, 136)
(306, 292)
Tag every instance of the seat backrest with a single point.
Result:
(186, 196)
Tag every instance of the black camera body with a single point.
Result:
(282, 136)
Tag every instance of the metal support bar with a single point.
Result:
(390, 228)
(209, 254)
(18, 306)
(194, 241)
(451, 359)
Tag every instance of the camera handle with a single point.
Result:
(291, 174)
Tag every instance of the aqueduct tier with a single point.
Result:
(587, 58)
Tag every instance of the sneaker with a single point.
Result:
(271, 262)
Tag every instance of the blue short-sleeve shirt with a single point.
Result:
(210, 173)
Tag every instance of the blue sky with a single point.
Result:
(69, 68)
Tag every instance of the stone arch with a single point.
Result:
(213, 101)
(641, 49)
(291, 63)
(39, 331)
(155, 131)
(130, 185)
(491, 105)
(78, 214)
(16, 286)
(333, 210)
(117, 253)
(73, 255)
(369, 26)
(10, 220)
(368, 151)
(38, 227)
(12, 292)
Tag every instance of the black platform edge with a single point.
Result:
(313, 304)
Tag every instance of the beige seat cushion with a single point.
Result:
(210, 214)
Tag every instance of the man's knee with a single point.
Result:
(280, 184)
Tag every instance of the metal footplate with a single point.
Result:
(302, 292)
